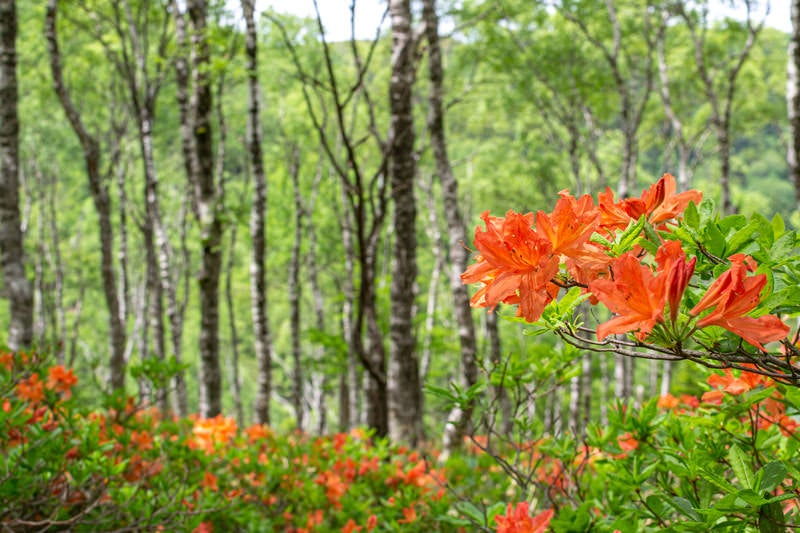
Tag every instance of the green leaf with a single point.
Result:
(771, 475)
(741, 238)
(749, 496)
(684, 506)
(778, 226)
(629, 236)
(741, 467)
(717, 480)
(472, 512)
(691, 217)
(732, 222)
(770, 518)
(783, 247)
(715, 241)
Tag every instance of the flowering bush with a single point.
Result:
(679, 282)
(631, 256)
(127, 466)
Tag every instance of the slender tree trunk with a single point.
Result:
(793, 99)
(317, 298)
(152, 222)
(500, 390)
(294, 289)
(208, 210)
(629, 375)
(405, 395)
(258, 269)
(181, 400)
(720, 95)
(12, 258)
(574, 406)
(456, 233)
(435, 236)
(236, 385)
(102, 202)
(666, 379)
(605, 388)
(375, 390)
(348, 381)
(586, 393)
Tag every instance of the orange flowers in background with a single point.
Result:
(61, 380)
(211, 432)
(518, 520)
(30, 389)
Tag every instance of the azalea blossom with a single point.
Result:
(518, 520)
(61, 380)
(636, 295)
(732, 296)
(571, 223)
(672, 263)
(516, 265)
(659, 203)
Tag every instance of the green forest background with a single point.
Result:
(532, 108)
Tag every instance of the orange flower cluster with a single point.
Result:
(518, 520)
(638, 296)
(211, 432)
(520, 264)
(770, 411)
(734, 294)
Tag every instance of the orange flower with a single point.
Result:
(315, 518)
(417, 475)
(369, 465)
(351, 526)
(519, 520)
(61, 380)
(672, 263)
(142, 440)
(713, 397)
(668, 401)
(732, 385)
(335, 488)
(636, 295)
(209, 482)
(733, 295)
(31, 389)
(659, 203)
(204, 527)
(662, 202)
(257, 432)
(627, 442)
(7, 360)
(516, 264)
(372, 522)
(570, 224)
(409, 515)
(213, 431)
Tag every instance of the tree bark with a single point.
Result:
(456, 232)
(348, 381)
(793, 99)
(207, 203)
(236, 385)
(100, 197)
(258, 270)
(295, 289)
(12, 256)
(405, 414)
